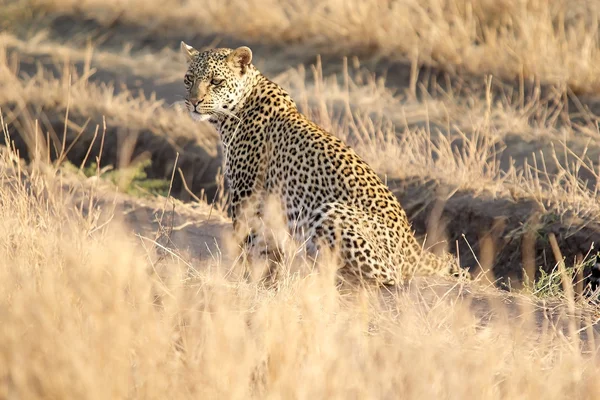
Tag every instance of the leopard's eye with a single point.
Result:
(187, 81)
(216, 81)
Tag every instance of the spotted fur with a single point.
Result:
(328, 193)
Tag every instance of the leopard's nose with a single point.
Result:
(195, 100)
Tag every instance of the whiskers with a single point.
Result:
(226, 113)
(180, 106)
(227, 141)
(207, 111)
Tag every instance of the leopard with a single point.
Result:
(329, 196)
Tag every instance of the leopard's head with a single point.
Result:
(216, 80)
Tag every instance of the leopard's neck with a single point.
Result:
(262, 100)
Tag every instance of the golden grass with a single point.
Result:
(162, 65)
(90, 310)
(358, 107)
(554, 41)
(91, 313)
(74, 92)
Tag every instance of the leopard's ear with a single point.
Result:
(188, 51)
(240, 59)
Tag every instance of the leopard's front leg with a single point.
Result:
(255, 244)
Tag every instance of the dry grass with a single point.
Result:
(556, 41)
(91, 310)
(358, 107)
(73, 91)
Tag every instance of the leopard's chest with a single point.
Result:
(245, 162)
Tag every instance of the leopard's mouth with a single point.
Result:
(199, 117)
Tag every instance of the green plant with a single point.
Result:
(132, 179)
(549, 284)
